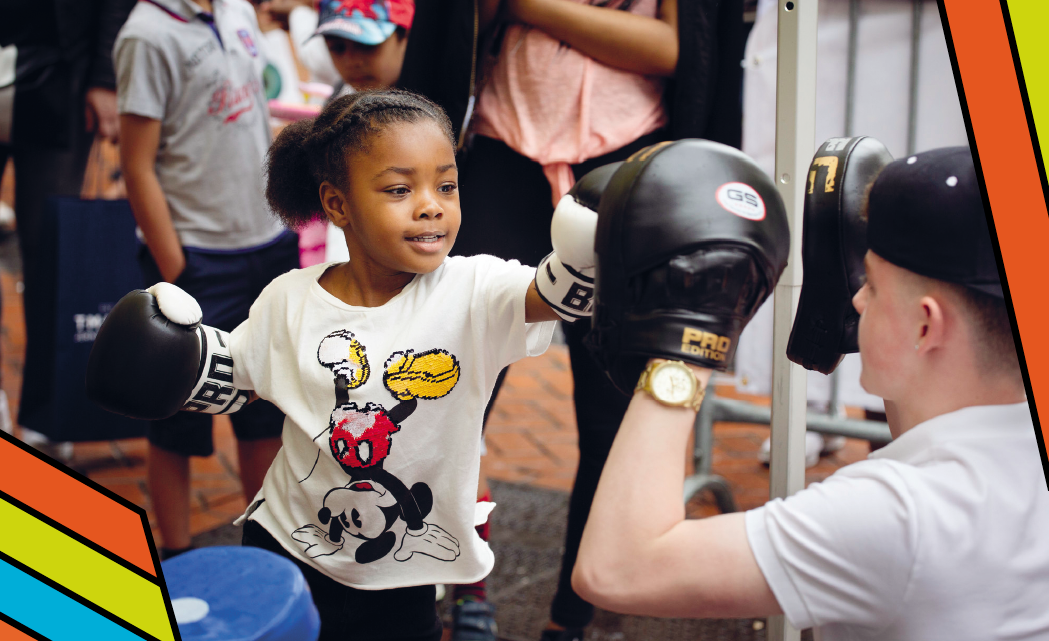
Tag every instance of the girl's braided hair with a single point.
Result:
(310, 151)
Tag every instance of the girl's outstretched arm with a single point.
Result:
(536, 309)
(648, 46)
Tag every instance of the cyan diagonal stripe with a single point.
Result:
(56, 616)
(83, 571)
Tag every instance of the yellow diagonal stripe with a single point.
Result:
(83, 571)
(1029, 18)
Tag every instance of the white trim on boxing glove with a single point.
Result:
(176, 305)
(572, 231)
(570, 293)
(214, 392)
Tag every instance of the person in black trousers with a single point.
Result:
(64, 96)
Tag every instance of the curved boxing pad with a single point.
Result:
(691, 238)
(834, 242)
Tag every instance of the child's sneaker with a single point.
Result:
(473, 621)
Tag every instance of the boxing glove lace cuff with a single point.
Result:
(214, 392)
(570, 293)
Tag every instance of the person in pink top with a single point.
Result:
(559, 104)
(569, 86)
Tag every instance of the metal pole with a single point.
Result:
(795, 144)
(835, 394)
(733, 411)
(850, 73)
(912, 107)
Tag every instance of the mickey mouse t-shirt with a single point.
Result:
(375, 484)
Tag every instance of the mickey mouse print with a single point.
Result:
(360, 438)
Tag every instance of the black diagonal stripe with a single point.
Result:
(19, 626)
(1040, 163)
(124, 563)
(113, 496)
(76, 597)
(987, 201)
(1025, 97)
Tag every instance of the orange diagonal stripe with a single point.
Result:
(11, 633)
(80, 508)
(1010, 171)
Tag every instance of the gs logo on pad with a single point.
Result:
(742, 200)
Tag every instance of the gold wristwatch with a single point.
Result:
(672, 383)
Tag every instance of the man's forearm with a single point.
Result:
(154, 219)
(639, 555)
(638, 499)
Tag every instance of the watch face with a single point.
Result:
(672, 384)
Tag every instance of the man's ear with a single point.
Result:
(334, 203)
(933, 331)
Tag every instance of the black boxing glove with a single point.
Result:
(692, 237)
(152, 358)
(833, 244)
(565, 278)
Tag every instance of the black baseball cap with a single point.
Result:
(925, 214)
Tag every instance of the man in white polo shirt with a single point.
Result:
(942, 534)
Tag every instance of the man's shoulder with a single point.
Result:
(858, 499)
(868, 477)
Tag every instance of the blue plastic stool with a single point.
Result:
(240, 594)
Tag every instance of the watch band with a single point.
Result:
(643, 385)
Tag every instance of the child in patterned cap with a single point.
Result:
(366, 39)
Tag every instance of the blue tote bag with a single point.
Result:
(91, 266)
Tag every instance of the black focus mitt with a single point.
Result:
(833, 244)
(691, 238)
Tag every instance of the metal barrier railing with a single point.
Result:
(716, 409)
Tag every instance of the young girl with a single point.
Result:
(383, 365)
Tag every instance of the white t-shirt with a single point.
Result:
(942, 534)
(376, 483)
